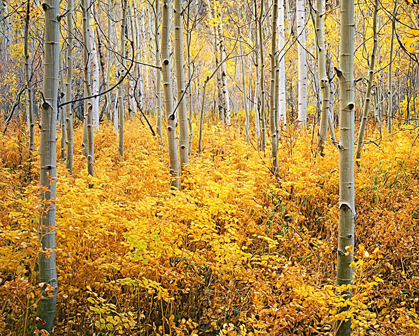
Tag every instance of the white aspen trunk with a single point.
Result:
(144, 83)
(390, 70)
(142, 52)
(225, 91)
(262, 79)
(302, 63)
(95, 78)
(188, 44)
(323, 79)
(347, 212)
(69, 74)
(108, 69)
(282, 99)
(61, 110)
(29, 96)
(88, 115)
(360, 142)
(132, 103)
(121, 86)
(245, 106)
(158, 72)
(180, 81)
(257, 84)
(168, 94)
(330, 72)
(48, 171)
(272, 115)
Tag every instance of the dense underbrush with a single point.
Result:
(236, 252)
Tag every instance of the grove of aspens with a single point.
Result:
(209, 167)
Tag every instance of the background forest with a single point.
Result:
(195, 167)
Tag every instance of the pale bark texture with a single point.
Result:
(88, 115)
(360, 142)
(121, 85)
(323, 79)
(245, 105)
(29, 95)
(168, 95)
(282, 107)
(272, 109)
(95, 78)
(158, 71)
(48, 173)
(390, 71)
(302, 63)
(262, 79)
(347, 213)
(180, 83)
(69, 75)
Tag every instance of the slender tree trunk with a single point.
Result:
(180, 81)
(360, 142)
(257, 83)
(95, 77)
(272, 110)
(302, 63)
(158, 72)
(188, 44)
(61, 110)
(262, 78)
(69, 73)
(390, 70)
(88, 119)
(121, 86)
(323, 79)
(282, 107)
(246, 109)
(29, 98)
(347, 213)
(225, 90)
(48, 172)
(108, 69)
(168, 95)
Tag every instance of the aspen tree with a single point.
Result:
(108, 69)
(29, 95)
(272, 114)
(302, 63)
(262, 78)
(281, 97)
(323, 79)
(95, 77)
(121, 85)
(168, 95)
(180, 81)
(246, 109)
(257, 83)
(365, 112)
(48, 172)
(390, 70)
(88, 115)
(347, 212)
(223, 68)
(158, 71)
(69, 73)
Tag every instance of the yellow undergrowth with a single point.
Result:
(237, 251)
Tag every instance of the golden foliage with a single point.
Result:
(235, 252)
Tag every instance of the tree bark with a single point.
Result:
(347, 213)
(360, 142)
(180, 81)
(48, 171)
(272, 115)
(168, 95)
(302, 63)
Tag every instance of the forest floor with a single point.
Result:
(236, 252)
